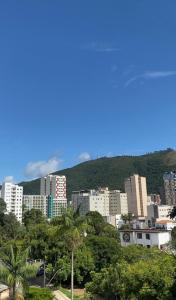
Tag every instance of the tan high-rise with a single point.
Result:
(136, 189)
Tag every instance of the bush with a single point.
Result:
(39, 293)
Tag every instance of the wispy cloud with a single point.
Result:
(85, 156)
(42, 167)
(99, 47)
(9, 179)
(150, 75)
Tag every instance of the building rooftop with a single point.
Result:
(162, 222)
(145, 230)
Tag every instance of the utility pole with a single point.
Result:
(72, 274)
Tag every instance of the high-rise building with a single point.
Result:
(91, 200)
(170, 187)
(118, 204)
(46, 204)
(53, 185)
(13, 195)
(136, 189)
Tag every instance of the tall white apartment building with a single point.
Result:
(118, 204)
(13, 195)
(170, 187)
(53, 185)
(136, 189)
(92, 200)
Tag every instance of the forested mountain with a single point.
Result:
(112, 171)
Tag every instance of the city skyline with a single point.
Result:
(76, 83)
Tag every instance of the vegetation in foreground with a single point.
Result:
(100, 263)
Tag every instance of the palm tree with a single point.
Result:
(14, 269)
(74, 229)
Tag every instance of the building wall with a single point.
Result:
(12, 195)
(53, 185)
(92, 200)
(36, 202)
(117, 203)
(136, 190)
(156, 238)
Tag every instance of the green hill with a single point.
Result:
(111, 172)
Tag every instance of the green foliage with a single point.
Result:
(104, 249)
(33, 217)
(14, 269)
(150, 277)
(112, 172)
(39, 294)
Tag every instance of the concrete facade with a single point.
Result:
(118, 204)
(92, 200)
(136, 189)
(13, 195)
(145, 237)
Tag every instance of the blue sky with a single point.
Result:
(83, 79)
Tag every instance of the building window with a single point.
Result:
(147, 236)
(139, 235)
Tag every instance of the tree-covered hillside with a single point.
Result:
(111, 172)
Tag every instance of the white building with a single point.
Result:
(92, 200)
(145, 237)
(53, 185)
(158, 212)
(13, 195)
(136, 189)
(35, 201)
(118, 204)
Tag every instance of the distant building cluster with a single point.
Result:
(141, 218)
(51, 201)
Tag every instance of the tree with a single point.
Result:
(73, 228)
(172, 213)
(33, 217)
(147, 278)
(35, 293)
(2, 206)
(14, 269)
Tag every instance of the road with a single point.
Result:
(58, 295)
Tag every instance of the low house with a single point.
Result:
(148, 237)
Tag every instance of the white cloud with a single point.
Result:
(9, 179)
(85, 156)
(100, 47)
(42, 168)
(150, 75)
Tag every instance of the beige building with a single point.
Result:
(136, 189)
(118, 204)
(92, 200)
